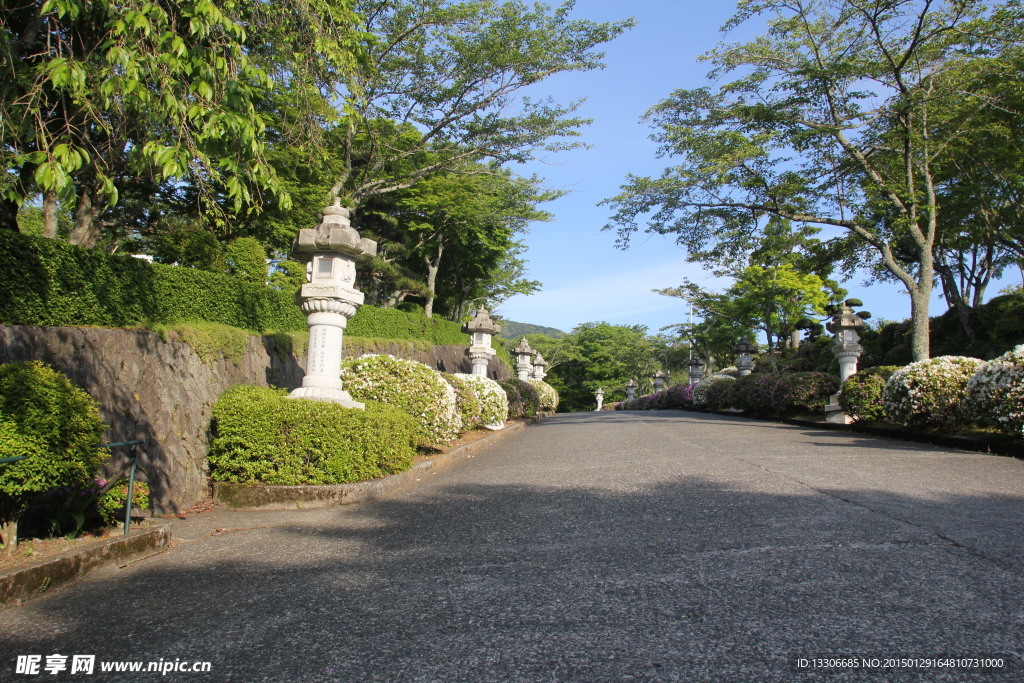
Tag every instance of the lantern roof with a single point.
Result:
(524, 348)
(481, 323)
(334, 233)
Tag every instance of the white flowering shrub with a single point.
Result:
(995, 393)
(700, 389)
(493, 400)
(411, 386)
(466, 400)
(546, 392)
(929, 392)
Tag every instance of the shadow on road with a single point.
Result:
(685, 580)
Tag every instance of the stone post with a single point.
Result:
(600, 398)
(745, 351)
(696, 369)
(524, 360)
(631, 389)
(659, 381)
(847, 350)
(480, 330)
(538, 367)
(328, 299)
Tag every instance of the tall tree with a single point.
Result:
(828, 121)
(98, 93)
(458, 73)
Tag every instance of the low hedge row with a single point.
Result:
(260, 435)
(49, 282)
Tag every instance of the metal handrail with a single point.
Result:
(133, 457)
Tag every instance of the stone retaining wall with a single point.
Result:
(162, 393)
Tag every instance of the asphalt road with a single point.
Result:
(591, 547)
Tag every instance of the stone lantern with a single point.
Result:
(847, 349)
(600, 397)
(480, 329)
(538, 367)
(328, 299)
(845, 326)
(745, 351)
(696, 369)
(631, 389)
(524, 359)
(659, 381)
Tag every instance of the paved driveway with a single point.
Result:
(611, 546)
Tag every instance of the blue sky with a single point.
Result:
(586, 278)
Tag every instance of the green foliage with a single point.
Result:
(212, 341)
(523, 400)
(51, 283)
(861, 393)
(56, 424)
(492, 397)
(700, 396)
(930, 392)
(599, 355)
(470, 406)
(387, 323)
(547, 394)
(111, 505)
(803, 393)
(719, 394)
(246, 259)
(262, 436)
(995, 393)
(410, 386)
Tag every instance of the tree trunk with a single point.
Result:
(9, 530)
(50, 214)
(9, 215)
(432, 267)
(956, 301)
(86, 230)
(920, 344)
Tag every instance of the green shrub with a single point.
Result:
(523, 400)
(995, 393)
(469, 404)
(212, 341)
(743, 393)
(546, 393)
(246, 259)
(389, 323)
(803, 393)
(928, 392)
(48, 282)
(700, 389)
(719, 393)
(57, 424)
(861, 394)
(111, 505)
(493, 400)
(411, 386)
(262, 436)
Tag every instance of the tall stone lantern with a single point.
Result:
(524, 359)
(539, 373)
(480, 329)
(745, 351)
(659, 381)
(846, 326)
(696, 369)
(599, 394)
(631, 389)
(328, 299)
(846, 347)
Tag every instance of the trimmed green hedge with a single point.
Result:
(389, 323)
(49, 282)
(262, 436)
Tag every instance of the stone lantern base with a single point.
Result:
(834, 412)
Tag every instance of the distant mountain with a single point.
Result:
(513, 330)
